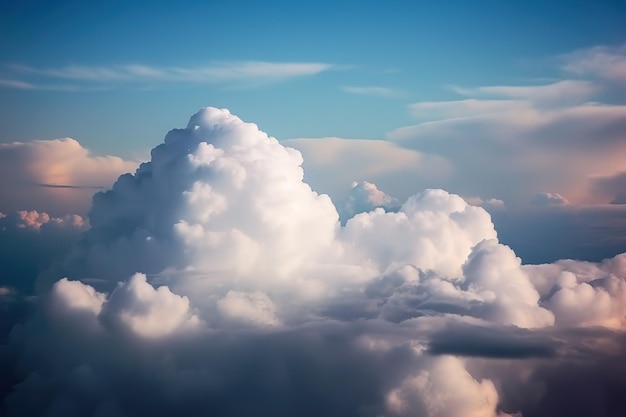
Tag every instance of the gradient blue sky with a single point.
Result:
(414, 49)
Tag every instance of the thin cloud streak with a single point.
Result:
(453, 109)
(23, 85)
(557, 92)
(215, 72)
(70, 186)
(374, 91)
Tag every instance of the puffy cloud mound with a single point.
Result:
(215, 281)
(365, 196)
(217, 197)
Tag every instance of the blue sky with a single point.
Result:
(414, 49)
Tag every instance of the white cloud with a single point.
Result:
(445, 389)
(331, 165)
(75, 296)
(148, 312)
(248, 308)
(263, 295)
(489, 204)
(365, 196)
(30, 241)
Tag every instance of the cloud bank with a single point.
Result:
(215, 281)
(55, 176)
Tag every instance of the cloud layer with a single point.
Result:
(93, 77)
(215, 281)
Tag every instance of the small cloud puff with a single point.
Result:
(549, 199)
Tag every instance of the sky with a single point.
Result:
(324, 208)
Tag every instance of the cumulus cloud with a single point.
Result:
(445, 389)
(365, 196)
(214, 280)
(548, 199)
(55, 176)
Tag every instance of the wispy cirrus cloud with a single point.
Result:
(24, 85)
(545, 94)
(453, 109)
(374, 91)
(17, 84)
(214, 72)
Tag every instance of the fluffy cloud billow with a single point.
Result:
(215, 281)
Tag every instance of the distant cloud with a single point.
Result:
(436, 110)
(549, 199)
(619, 198)
(215, 72)
(30, 241)
(64, 173)
(489, 204)
(546, 94)
(372, 91)
(520, 132)
(606, 62)
(365, 196)
(23, 85)
(610, 188)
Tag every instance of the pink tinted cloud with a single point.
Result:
(57, 176)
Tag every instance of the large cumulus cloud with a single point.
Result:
(215, 281)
